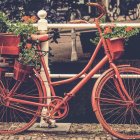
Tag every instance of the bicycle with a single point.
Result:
(115, 96)
(129, 9)
(113, 11)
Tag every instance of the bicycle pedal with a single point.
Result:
(52, 126)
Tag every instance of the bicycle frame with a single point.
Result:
(68, 96)
(76, 88)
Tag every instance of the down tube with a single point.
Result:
(87, 78)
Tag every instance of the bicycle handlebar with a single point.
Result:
(53, 35)
(78, 21)
(95, 5)
(99, 7)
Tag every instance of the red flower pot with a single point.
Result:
(116, 47)
(21, 72)
(9, 44)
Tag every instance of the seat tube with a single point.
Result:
(45, 75)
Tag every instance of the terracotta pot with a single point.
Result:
(116, 47)
(9, 44)
(21, 72)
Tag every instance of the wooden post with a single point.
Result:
(74, 56)
(42, 27)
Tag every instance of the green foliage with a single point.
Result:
(29, 56)
(120, 32)
(3, 22)
(15, 9)
(116, 32)
(21, 29)
(17, 28)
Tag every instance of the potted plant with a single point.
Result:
(8, 41)
(116, 37)
(14, 41)
(28, 56)
(27, 60)
(120, 32)
(14, 34)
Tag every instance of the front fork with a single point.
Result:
(119, 84)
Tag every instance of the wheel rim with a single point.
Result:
(115, 16)
(119, 119)
(133, 14)
(19, 117)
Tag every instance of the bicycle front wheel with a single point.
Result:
(17, 117)
(118, 117)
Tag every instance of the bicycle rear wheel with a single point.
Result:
(117, 116)
(17, 117)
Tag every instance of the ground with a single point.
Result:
(76, 132)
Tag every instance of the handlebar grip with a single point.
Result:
(103, 12)
(78, 21)
(44, 37)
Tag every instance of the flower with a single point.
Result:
(107, 30)
(29, 19)
(33, 19)
(28, 46)
(127, 29)
(25, 18)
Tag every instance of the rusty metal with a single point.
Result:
(56, 112)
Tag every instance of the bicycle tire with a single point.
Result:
(133, 14)
(18, 117)
(116, 13)
(119, 119)
(115, 16)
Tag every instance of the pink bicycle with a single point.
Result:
(115, 96)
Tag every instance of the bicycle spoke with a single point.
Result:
(17, 117)
(117, 102)
(121, 117)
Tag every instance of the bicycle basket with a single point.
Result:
(116, 47)
(9, 44)
(21, 72)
